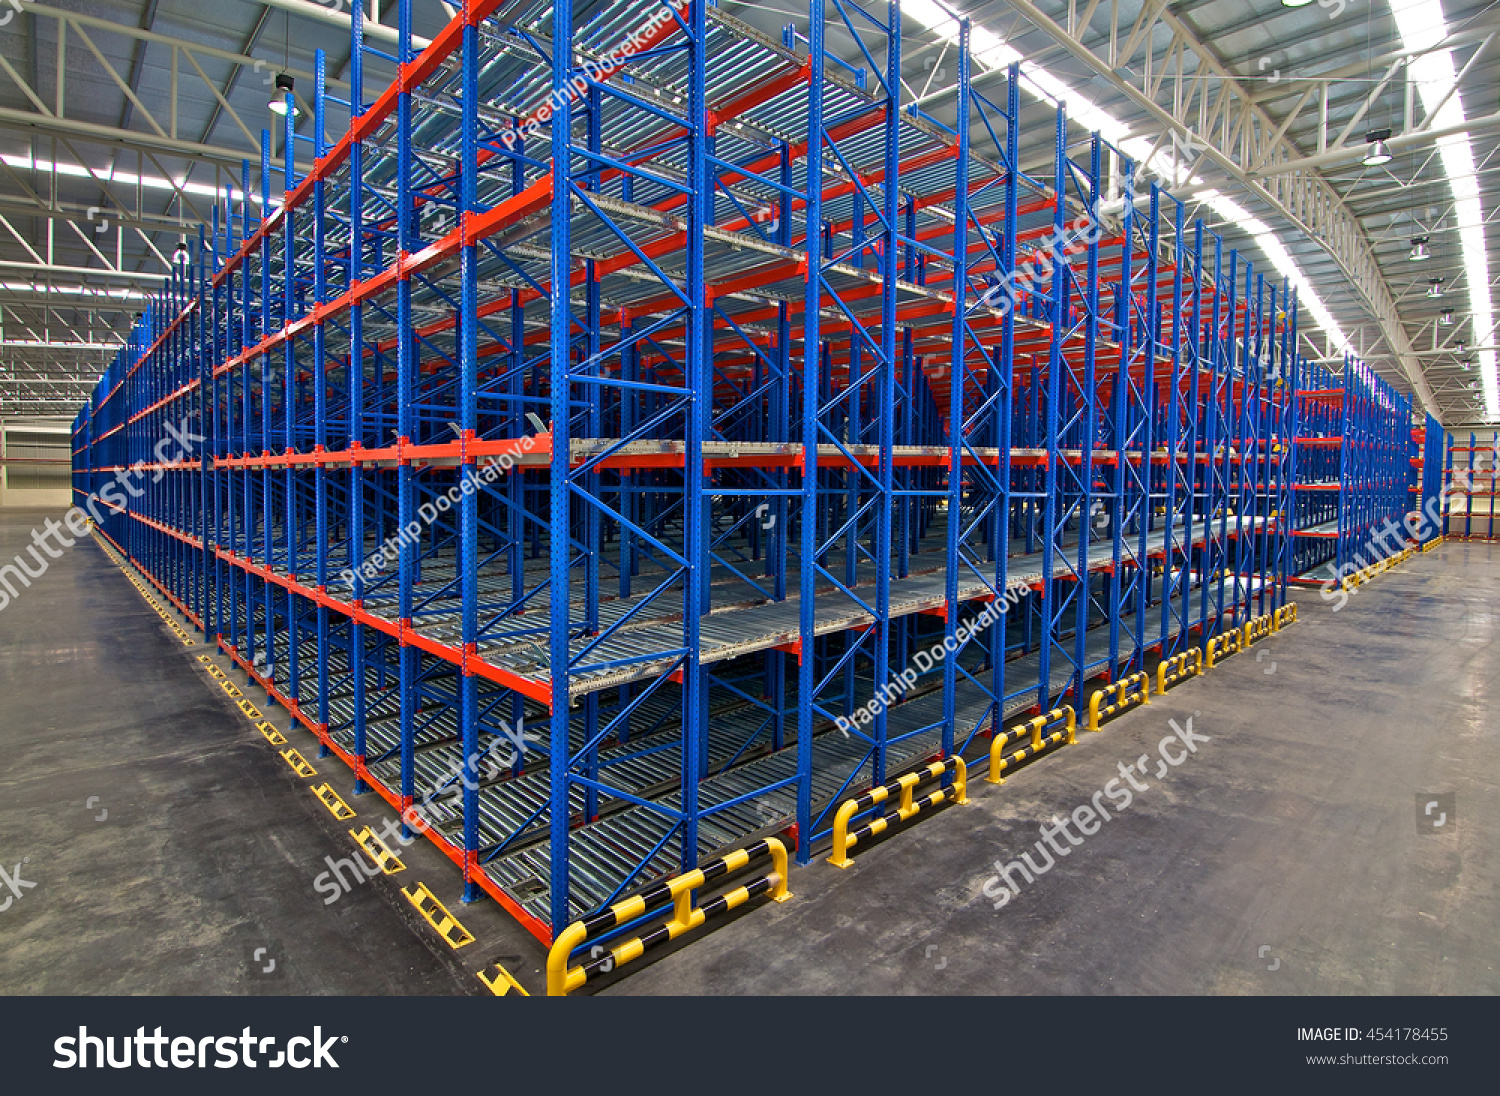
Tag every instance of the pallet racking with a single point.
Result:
(1352, 470)
(611, 495)
(1470, 486)
(1428, 498)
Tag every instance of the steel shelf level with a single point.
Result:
(607, 495)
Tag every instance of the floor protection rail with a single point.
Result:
(1117, 696)
(907, 807)
(677, 893)
(1172, 670)
(1257, 628)
(1222, 646)
(1039, 740)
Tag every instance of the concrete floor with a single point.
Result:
(1284, 857)
(201, 847)
(1293, 832)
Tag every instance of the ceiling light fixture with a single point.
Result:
(1379, 152)
(1435, 287)
(1295, 3)
(1446, 319)
(992, 53)
(285, 86)
(180, 254)
(1433, 72)
(1419, 250)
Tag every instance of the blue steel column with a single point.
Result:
(1174, 576)
(559, 501)
(262, 514)
(1004, 363)
(355, 376)
(1143, 441)
(290, 517)
(406, 380)
(886, 409)
(1089, 429)
(807, 643)
(468, 422)
(957, 376)
(1053, 443)
(700, 376)
(320, 388)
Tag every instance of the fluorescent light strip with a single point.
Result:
(124, 178)
(61, 345)
(1422, 25)
(988, 49)
(76, 291)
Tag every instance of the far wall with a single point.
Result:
(31, 439)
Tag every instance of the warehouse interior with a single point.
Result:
(680, 498)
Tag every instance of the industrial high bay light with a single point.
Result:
(1379, 152)
(285, 86)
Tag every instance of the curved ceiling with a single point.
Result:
(118, 119)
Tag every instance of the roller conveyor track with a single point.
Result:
(732, 633)
(1325, 529)
(603, 848)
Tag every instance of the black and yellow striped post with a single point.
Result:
(907, 807)
(1172, 670)
(1131, 689)
(1039, 742)
(678, 892)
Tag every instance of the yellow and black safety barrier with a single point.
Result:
(1434, 544)
(1257, 628)
(1286, 614)
(436, 914)
(501, 982)
(247, 709)
(272, 735)
(907, 806)
(1039, 741)
(1172, 670)
(144, 591)
(1358, 578)
(1129, 690)
(298, 763)
(334, 802)
(377, 850)
(1222, 646)
(678, 892)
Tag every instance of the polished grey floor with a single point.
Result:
(166, 841)
(1290, 854)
